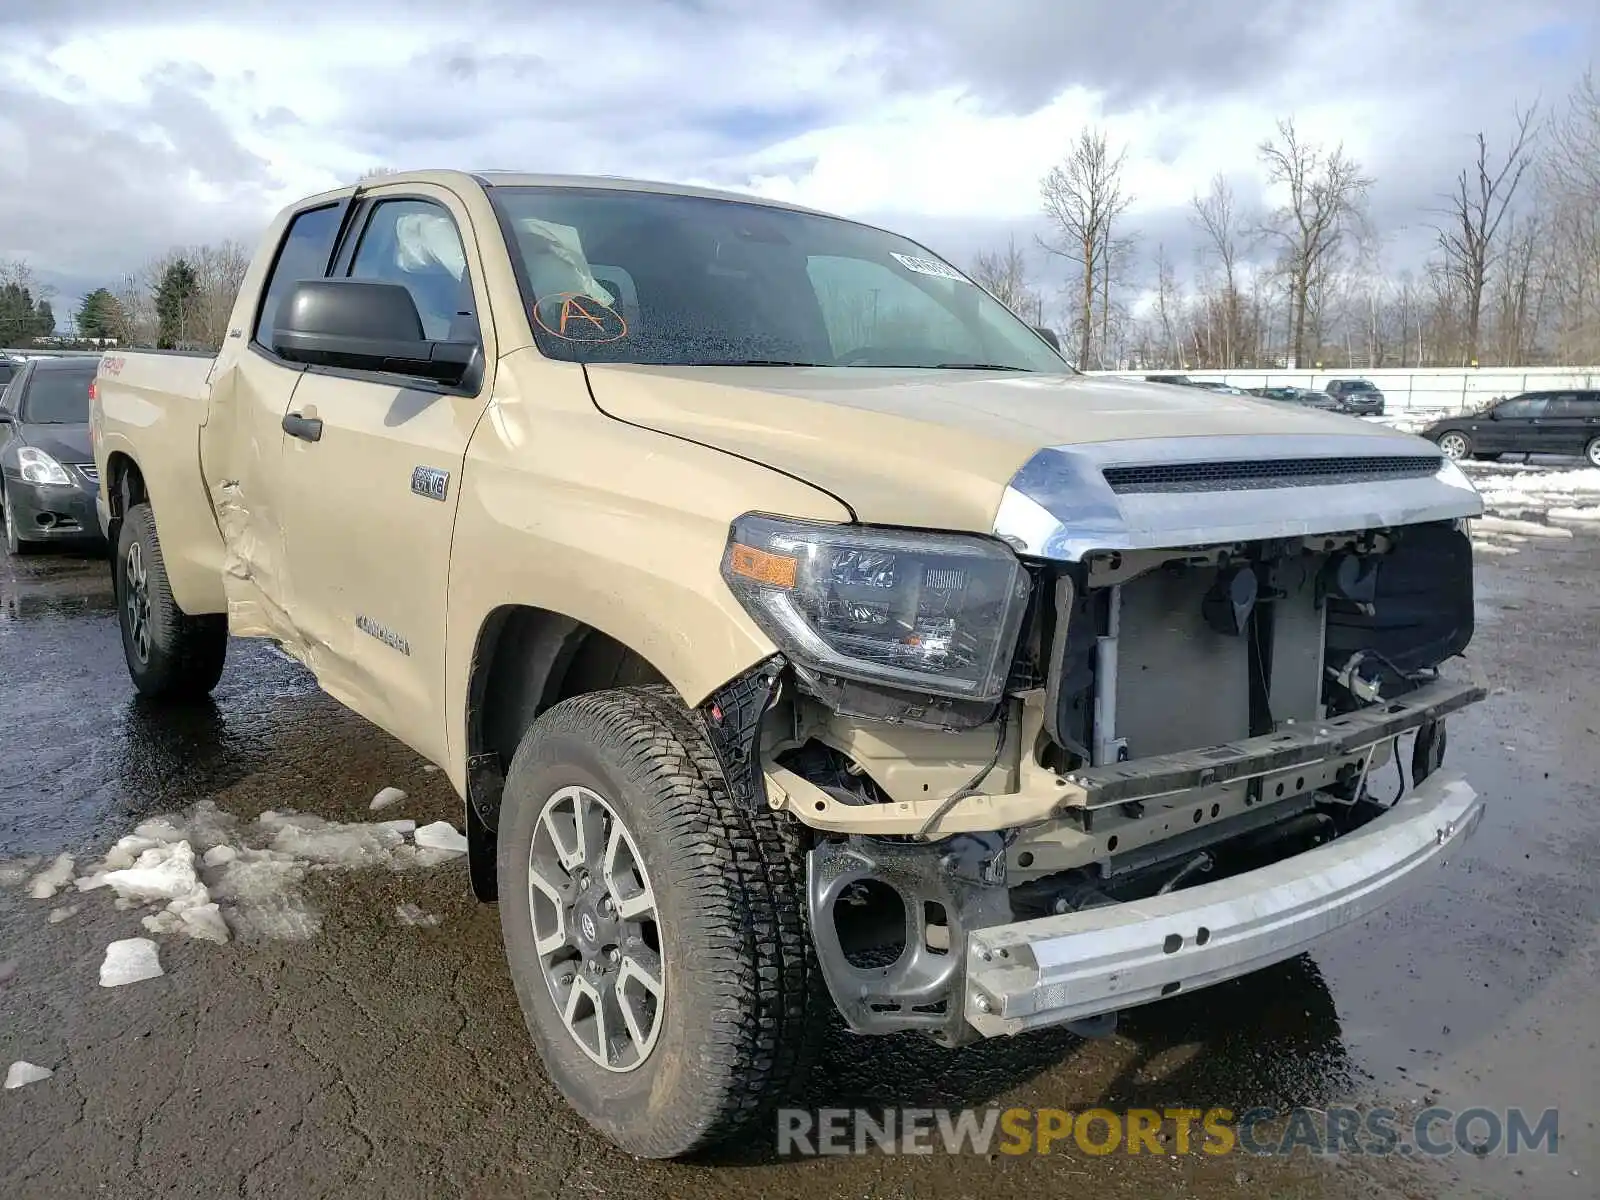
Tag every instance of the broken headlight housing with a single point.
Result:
(931, 612)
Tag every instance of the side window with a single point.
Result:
(303, 255)
(415, 243)
(1563, 406)
(1522, 408)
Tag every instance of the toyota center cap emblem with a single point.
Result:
(588, 927)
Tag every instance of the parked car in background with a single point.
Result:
(1227, 389)
(1180, 380)
(8, 368)
(1559, 422)
(1357, 396)
(48, 481)
(1298, 395)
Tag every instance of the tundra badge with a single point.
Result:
(430, 482)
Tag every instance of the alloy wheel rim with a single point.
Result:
(1453, 445)
(1594, 452)
(138, 602)
(596, 929)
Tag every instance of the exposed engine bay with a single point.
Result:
(1170, 717)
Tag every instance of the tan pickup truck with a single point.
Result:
(800, 630)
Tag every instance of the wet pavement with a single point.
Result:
(382, 1059)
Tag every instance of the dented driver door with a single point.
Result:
(241, 442)
(371, 473)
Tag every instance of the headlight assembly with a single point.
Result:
(39, 467)
(930, 612)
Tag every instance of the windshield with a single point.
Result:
(644, 277)
(58, 397)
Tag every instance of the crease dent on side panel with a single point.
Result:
(247, 561)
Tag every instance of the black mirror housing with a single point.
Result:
(1050, 336)
(364, 325)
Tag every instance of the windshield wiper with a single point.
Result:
(977, 366)
(751, 362)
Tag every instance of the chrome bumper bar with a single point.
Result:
(1065, 968)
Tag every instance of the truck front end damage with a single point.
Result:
(1126, 747)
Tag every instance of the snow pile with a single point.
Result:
(442, 837)
(52, 879)
(1413, 420)
(132, 960)
(21, 1074)
(216, 878)
(387, 798)
(1514, 492)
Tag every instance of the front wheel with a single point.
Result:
(655, 931)
(1455, 445)
(14, 543)
(1592, 452)
(171, 655)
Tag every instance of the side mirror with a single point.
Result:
(6, 418)
(363, 325)
(1049, 335)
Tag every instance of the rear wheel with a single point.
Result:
(171, 655)
(1592, 452)
(14, 543)
(655, 931)
(1455, 445)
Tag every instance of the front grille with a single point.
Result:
(1267, 473)
(89, 471)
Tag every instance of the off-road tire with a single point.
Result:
(15, 545)
(744, 1006)
(185, 653)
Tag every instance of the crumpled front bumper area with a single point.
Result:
(1056, 969)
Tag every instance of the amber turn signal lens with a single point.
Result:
(775, 570)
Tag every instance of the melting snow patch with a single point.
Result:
(52, 879)
(410, 914)
(1575, 514)
(388, 798)
(58, 915)
(14, 872)
(217, 878)
(1528, 528)
(1492, 547)
(442, 836)
(21, 1074)
(131, 960)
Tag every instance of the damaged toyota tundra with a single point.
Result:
(800, 630)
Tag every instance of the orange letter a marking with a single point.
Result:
(573, 310)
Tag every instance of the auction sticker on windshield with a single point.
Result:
(926, 266)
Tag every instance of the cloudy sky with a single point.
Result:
(126, 128)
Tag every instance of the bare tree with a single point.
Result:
(1477, 210)
(1168, 302)
(1217, 218)
(1084, 198)
(1005, 275)
(1570, 186)
(1326, 191)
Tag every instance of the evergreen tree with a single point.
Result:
(175, 303)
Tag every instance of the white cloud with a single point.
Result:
(123, 130)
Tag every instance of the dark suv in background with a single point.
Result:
(1356, 396)
(1555, 422)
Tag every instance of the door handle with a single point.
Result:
(307, 429)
